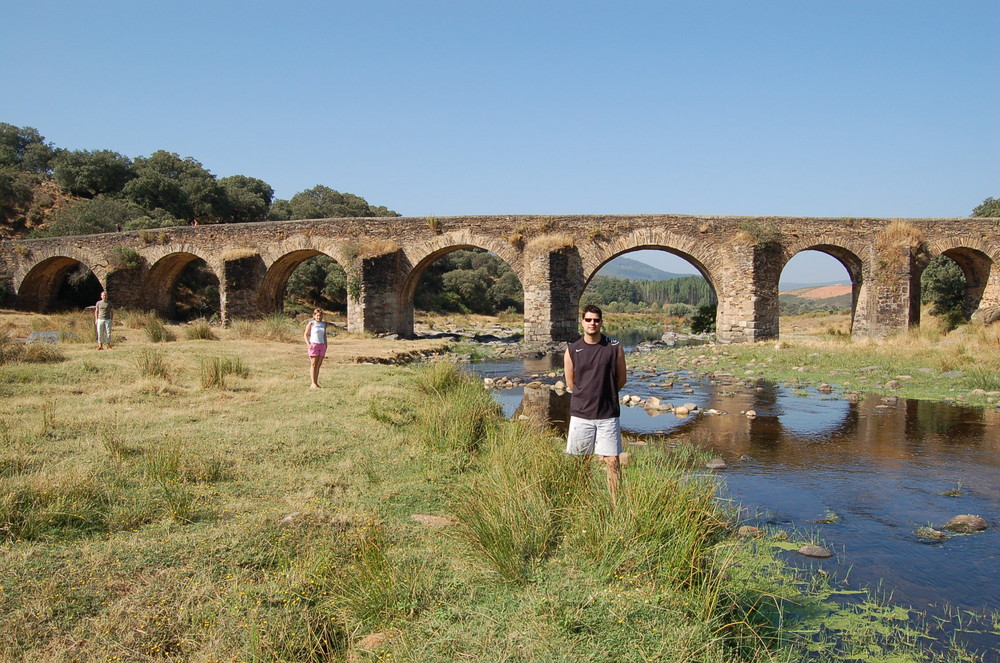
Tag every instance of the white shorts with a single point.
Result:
(594, 436)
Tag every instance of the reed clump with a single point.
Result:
(214, 371)
(200, 330)
(276, 327)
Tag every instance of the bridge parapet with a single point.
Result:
(554, 257)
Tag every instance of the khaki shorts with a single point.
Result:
(594, 436)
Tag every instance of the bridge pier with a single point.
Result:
(242, 276)
(893, 290)
(747, 291)
(553, 283)
(375, 301)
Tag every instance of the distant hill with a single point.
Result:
(633, 270)
(787, 286)
(808, 299)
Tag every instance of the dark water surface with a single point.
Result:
(878, 470)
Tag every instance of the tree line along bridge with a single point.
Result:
(553, 256)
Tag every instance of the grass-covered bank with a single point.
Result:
(147, 513)
(962, 366)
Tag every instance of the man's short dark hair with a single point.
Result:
(590, 308)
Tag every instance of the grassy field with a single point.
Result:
(193, 500)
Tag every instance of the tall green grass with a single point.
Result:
(200, 330)
(457, 414)
(275, 327)
(214, 371)
(514, 510)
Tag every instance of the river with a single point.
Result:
(859, 476)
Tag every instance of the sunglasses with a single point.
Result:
(591, 319)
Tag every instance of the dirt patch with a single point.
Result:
(826, 292)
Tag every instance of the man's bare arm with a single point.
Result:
(621, 370)
(568, 369)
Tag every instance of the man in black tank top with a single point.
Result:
(595, 373)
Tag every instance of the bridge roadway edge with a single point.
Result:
(554, 256)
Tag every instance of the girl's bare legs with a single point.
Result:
(314, 364)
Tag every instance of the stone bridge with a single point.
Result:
(554, 257)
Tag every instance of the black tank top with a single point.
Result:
(595, 379)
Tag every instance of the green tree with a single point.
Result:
(611, 290)
(181, 187)
(506, 293)
(989, 207)
(89, 174)
(704, 320)
(322, 202)
(248, 198)
(24, 149)
(472, 287)
(319, 282)
(89, 216)
(469, 280)
(943, 286)
(15, 192)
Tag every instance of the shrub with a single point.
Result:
(157, 332)
(200, 330)
(214, 371)
(150, 363)
(123, 257)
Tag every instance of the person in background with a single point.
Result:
(315, 337)
(595, 373)
(103, 317)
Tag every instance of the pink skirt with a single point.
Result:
(317, 349)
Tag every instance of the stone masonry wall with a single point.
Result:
(554, 256)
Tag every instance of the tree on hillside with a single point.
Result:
(322, 202)
(181, 187)
(89, 174)
(469, 281)
(248, 198)
(89, 216)
(989, 207)
(24, 149)
(25, 159)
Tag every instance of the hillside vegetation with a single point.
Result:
(48, 190)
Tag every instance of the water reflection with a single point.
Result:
(877, 469)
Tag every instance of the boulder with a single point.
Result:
(48, 337)
(986, 316)
(716, 464)
(966, 524)
(814, 551)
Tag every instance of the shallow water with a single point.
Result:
(877, 469)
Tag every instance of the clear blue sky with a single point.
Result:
(847, 108)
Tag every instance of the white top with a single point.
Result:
(317, 333)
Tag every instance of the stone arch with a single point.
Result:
(272, 288)
(38, 289)
(702, 254)
(161, 280)
(847, 257)
(973, 257)
(422, 255)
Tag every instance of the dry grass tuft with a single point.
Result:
(897, 243)
(551, 242)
